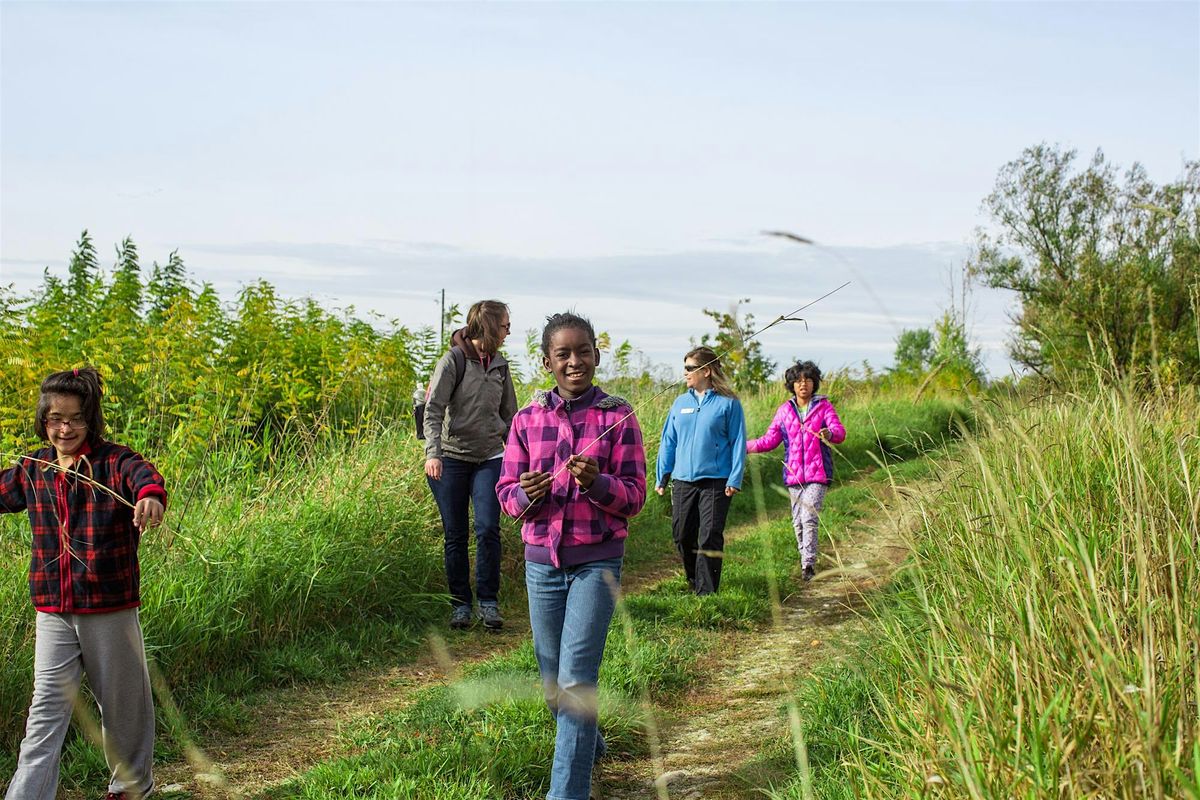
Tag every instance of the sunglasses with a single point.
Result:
(690, 368)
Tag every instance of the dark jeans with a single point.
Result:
(698, 511)
(462, 483)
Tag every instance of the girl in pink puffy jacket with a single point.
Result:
(806, 424)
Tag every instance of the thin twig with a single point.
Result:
(789, 317)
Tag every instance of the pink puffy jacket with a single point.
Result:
(806, 458)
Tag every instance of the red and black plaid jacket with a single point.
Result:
(84, 542)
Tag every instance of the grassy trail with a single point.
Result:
(290, 730)
(310, 693)
(710, 741)
(705, 730)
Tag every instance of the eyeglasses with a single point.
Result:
(75, 423)
(690, 368)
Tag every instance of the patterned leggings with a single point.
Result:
(807, 499)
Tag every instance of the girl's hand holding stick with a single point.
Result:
(535, 485)
(585, 469)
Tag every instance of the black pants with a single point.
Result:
(698, 511)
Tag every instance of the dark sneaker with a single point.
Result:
(489, 615)
(461, 617)
(809, 572)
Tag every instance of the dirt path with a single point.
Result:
(720, 725)
(292, 730)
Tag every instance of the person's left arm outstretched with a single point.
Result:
(145, 486)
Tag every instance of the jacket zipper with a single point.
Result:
(65, 601)
(803, 461)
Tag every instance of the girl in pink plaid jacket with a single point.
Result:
(574, 472)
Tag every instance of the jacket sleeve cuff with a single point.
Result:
(523, 501)
(153, 490)
(600, 492)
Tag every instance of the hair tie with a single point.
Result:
(77, 372)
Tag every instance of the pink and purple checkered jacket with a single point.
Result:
(570, 525)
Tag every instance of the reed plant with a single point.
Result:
(249, 567)
(1044, 641)
(488, 734)
(289, 558)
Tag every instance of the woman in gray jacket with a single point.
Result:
(471, 405)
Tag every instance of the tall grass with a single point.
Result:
(1045, 641)
(489, 735)
(282, 557)
(321, 544)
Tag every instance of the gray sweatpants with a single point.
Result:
(807, 500)
(109, 648)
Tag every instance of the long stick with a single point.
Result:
(789, 317)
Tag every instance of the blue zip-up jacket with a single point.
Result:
(703, 437)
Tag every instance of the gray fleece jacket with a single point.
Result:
(473, 424)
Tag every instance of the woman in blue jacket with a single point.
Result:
(702, 455)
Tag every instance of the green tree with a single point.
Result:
(741, 355)
(188, 376)
(914, 351)
(953, 356)
(84, 285)
(125, 292)
(1104, 265)
(168, 283)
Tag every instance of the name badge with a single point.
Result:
(687, 411)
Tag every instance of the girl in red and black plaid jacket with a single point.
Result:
(574, 471)
(88, 500)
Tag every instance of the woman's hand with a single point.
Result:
(433, 468)
(660, 490)
(730, 491)
(584, 468)
(148, 513)
(535, 484)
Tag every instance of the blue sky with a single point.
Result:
(620, 158)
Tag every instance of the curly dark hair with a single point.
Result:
(802, 369)
(567, 319)
(84, 383)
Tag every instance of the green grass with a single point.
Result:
(1045, 640)
(490, 735)
(331, 558)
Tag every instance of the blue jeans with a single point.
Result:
(569, 610)
(462, 483)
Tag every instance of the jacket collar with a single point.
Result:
(553, 400)
(594, 397)
(81, 458)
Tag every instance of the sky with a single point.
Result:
(620, 159)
